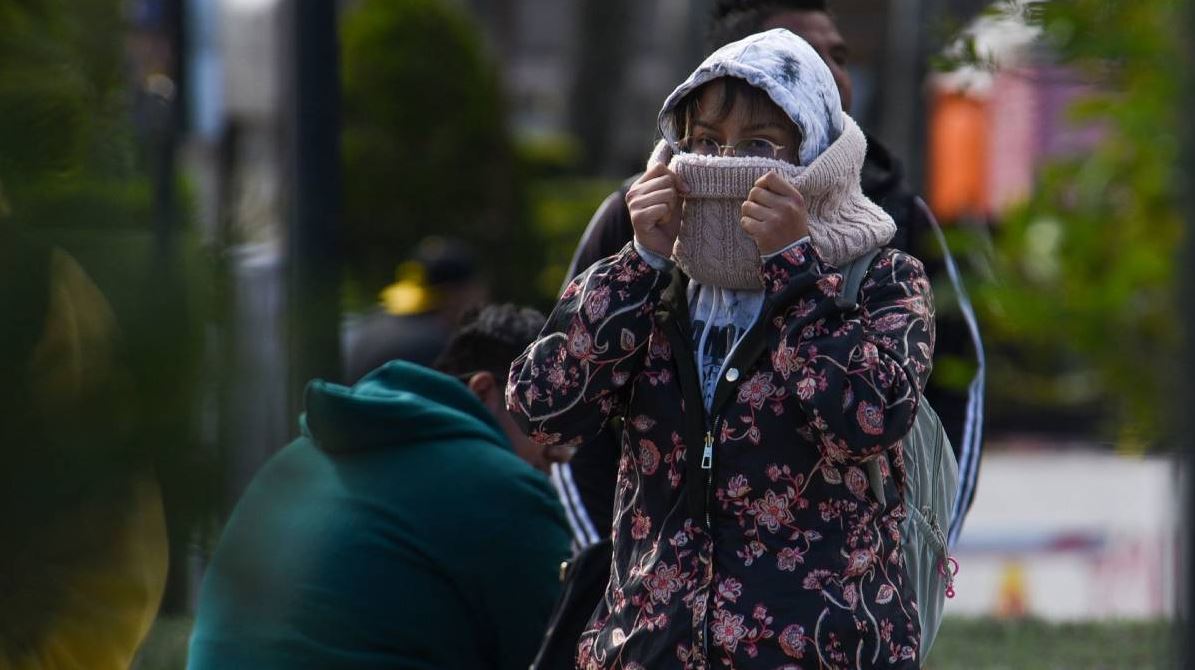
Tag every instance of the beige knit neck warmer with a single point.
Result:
(712, 247)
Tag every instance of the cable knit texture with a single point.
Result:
(712, 247)
(843, 223)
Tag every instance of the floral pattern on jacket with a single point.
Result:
(790, 561)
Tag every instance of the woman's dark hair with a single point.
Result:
(733, 20)
(489, 339)
(733, 89)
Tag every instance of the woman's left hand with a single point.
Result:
(774, 214)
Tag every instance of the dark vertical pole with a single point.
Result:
(1186, 290)
(168, 121)
(163, 297)
(314, 239)
(604, 40)
(902, 91)
(694, 48)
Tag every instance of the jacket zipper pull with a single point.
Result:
(707, 456)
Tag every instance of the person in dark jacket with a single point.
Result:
(746, 534)
(401, 530)
(586, 483)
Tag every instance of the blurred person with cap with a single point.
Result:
(403, 529)
(418, 312)
(586, 484)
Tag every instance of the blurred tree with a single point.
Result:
(560, 208)
(61, 98)
(1084, 272)
(78, 177)
(425, 145)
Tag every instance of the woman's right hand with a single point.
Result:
(654, 201)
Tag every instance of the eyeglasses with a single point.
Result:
(754, 147)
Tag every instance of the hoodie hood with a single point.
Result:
(785, 67)
(399, 403)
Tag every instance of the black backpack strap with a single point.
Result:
(584, 583)
(854, 272)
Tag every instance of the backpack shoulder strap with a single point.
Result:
(854, 272)
(848, 301)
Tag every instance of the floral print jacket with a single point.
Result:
(747, 536)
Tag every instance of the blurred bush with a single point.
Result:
(560, 209)
(426, 150)
(77, 173)
(1081, 300)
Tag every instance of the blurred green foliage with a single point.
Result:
(77, 173)
(63, 103)
(559, 204)
(426, 150)
(1083, 279)
(561, 207)
(966, 643)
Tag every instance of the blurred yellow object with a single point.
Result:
(92, 575)
(107, 565)
(1131, 443)
(1012, 600)
(410, 294)
(75, 355)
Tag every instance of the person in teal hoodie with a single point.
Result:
(401, 530)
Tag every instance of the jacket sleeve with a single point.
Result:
(857, 376)
(565, 386)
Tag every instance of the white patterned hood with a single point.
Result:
(792, 74)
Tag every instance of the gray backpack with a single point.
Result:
(933, 479)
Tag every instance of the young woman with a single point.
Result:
(746, 534)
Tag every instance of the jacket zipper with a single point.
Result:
(707, 465)
(753, 342)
